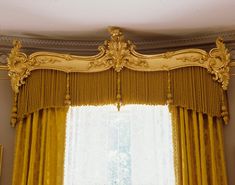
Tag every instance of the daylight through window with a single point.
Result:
(130, 147)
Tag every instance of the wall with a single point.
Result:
(6, 132)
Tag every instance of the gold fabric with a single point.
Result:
(192, 87)
(39, 148)
(198, 148)
(196, 104)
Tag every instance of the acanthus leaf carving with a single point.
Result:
(197, 59)
(19, 68)
(216, 62)
(219, 63)
(20, 65)
(118, 53)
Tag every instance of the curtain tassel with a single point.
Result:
(67, 100)
(169, 94)
(14, 111)
(224, 114)
(224, 110)
(118, 91)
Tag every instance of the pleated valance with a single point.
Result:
(191, 78)
(191, 87)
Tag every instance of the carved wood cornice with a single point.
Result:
(118, 53)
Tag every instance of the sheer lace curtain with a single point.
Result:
(130, 147)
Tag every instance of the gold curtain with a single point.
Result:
(198, 102)
(39, 148)
(198, 148)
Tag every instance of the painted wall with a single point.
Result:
(6, 132)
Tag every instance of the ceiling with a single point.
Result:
(84, 19)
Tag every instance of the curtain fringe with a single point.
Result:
(191, 88)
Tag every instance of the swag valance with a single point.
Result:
(190, 78)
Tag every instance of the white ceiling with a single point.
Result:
(90, 18)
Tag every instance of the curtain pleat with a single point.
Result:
(39, 148)
(199, 152)
(191, 87)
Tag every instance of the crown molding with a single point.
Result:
(90, 47)
(59, 44)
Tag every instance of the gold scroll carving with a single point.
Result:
(118, 53)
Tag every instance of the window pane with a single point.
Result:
(130, 147)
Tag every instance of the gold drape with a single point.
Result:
(39, 148)
(197, 102)
(198, 148)
(191, 87)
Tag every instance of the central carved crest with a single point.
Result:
(117, 52)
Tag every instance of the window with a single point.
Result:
(130, 147)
